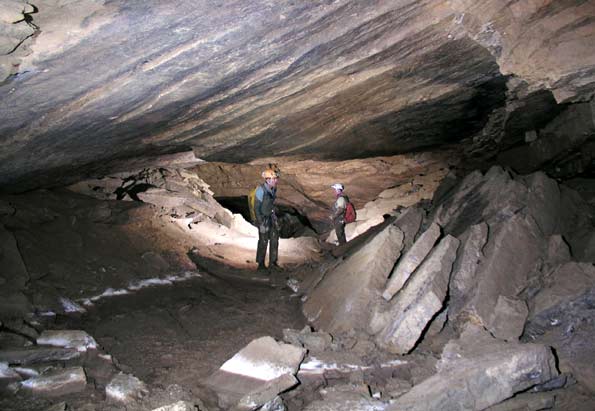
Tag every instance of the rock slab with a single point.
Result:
(423, 296)
(343, 300)
(478, 371)
(256, 374)
(55, 383)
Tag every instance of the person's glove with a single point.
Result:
(262, 229)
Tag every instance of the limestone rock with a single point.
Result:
(505, 272)
(478, 371)
(543, 202)
(126, 389)
(177, 406)
(561, 315)
(11, 261)
(18, 325)
(12, 340)
(275, 404)
(421, 298)
(567, 132)
(343, 299)
(526, 402)
(36, 355)
(410, 261)
(14, 304)
(558, 251)
(101, 188)
(493, 197)
(395, 387)
(7, 373)
(331, 365)
(582, 245)
(315, 341)
(465, 267)
(508, 318)
(347, 401)
(161, 198)
(265, 394)
(515, 38)
(437, 323)
(12, 11)
(410, 222)
(77, 339)
(256, 374)
(59, 382)
(564, 288)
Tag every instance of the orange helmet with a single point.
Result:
(271, 172)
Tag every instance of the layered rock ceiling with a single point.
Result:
(88, 84)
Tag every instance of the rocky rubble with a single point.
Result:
(39, 369)
(497, 298)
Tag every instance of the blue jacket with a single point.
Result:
(264, 204)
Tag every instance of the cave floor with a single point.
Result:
(172, 337)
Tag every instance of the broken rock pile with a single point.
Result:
(485, 280)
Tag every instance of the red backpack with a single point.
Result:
(350, 214)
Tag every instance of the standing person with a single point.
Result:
(338, 212)
(266, 220)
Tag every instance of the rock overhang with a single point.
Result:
(244, 80)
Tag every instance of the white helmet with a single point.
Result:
(338, 186)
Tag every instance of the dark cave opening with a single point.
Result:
(292, 222)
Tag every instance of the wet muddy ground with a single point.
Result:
(171, 337)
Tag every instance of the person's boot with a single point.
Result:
(261, 267)
(275, 267)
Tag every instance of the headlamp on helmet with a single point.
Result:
(338, 186)
(271, 172)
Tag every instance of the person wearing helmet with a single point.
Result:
(266, 219)
(338, 212)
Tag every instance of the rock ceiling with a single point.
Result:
(85, 83)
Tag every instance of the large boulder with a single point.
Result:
(478, 371)
(403, 323)
(57, 382)
(409, 222)
(256, 374)
(410, 261)
(561, 315)
(37, 355)
(493, 293)
(343, 300)
(125, 389)
(499, 195)
(465, 267)
(77, 339)
(492, 197)
(568, 132)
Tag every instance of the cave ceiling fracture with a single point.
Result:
(87, 83)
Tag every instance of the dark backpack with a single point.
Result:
(350, 214)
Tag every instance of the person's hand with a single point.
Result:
(262, 229)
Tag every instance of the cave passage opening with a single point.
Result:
(292, 222)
